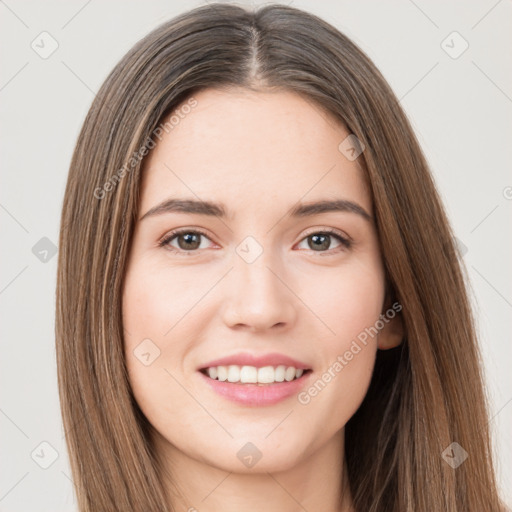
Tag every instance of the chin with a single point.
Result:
(255, 454)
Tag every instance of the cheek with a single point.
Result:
(157, 303)
(151, 312)
(350, 308)
(147, 317)
(348, 301)
(158, 310)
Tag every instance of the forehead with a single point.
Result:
(246, 148)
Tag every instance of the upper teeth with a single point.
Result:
(251, 374)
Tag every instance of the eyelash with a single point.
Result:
(345, 242)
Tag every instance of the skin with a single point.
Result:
(258, 153)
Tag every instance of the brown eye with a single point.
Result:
(319, 241)
(322, 241)
(188, 241)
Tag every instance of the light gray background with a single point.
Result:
(460, 108)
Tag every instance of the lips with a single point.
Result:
(255, 380)
(246, 359)
(257, 395)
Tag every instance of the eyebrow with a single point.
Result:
(200, 207)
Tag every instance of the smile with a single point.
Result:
(256, 387)
(253, 375)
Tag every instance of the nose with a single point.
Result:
(259, 296)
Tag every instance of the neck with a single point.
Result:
(318, 482)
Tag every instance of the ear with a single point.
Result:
(392, 334)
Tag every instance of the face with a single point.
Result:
(253, 280)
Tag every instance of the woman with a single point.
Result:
(259, 302)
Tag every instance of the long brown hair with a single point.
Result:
(425, 395)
